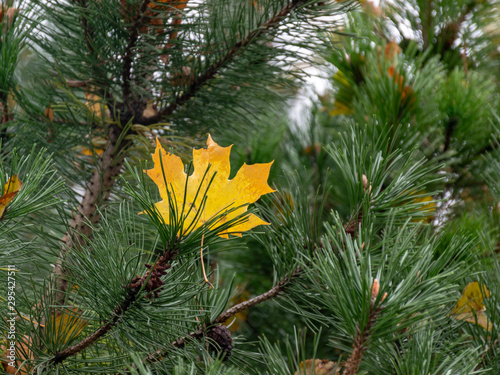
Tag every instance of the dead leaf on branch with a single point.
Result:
(10, 190)
(15, 354)
(8, 13)
(470, 307)
(222, 194)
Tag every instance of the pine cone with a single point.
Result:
(352, 226)
(221, 341)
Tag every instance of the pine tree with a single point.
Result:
(380, 251)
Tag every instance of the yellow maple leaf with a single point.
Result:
(470, 307)
(10, 191)
(222, 194)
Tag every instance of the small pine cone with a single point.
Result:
(221, 341)
(352, 226)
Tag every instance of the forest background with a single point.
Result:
(371, 242)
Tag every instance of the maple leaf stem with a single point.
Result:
(203, 263)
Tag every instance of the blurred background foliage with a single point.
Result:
(382, 119)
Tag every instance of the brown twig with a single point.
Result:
(270, 294)
(73, 83)
(87, 31)
(118, 313)
(354, 360)
(6, 116)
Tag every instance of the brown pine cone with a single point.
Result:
(220, 341)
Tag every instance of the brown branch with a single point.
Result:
(270, 294)
(97, 191)
(118, 313)
(6, 116)
(128, 54)
(362, 337)
(87, 31)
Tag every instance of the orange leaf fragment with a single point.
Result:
(318, 367)
(10, 190)
(249, 184)
(470, 307)
(14, 353)
(9, 13)
(391, 50)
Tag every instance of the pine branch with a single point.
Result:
(223, 61)
(150, 282)
(270, 294)
(351, 228)
(109, 165)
